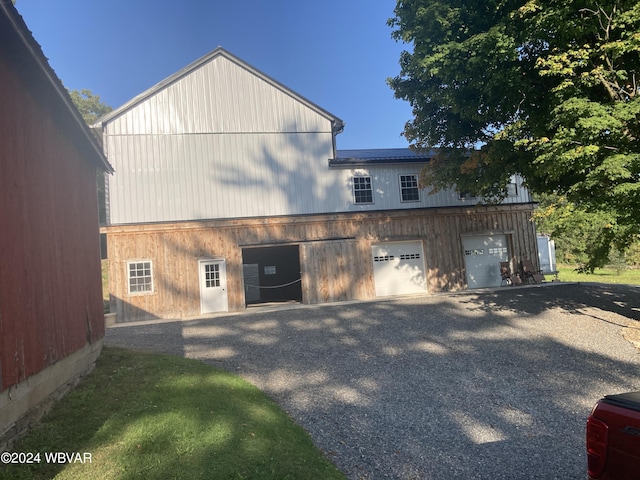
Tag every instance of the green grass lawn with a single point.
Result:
(152, 416)
(600, 275)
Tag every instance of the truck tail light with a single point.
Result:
(596, 446)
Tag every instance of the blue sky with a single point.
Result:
(336, 53)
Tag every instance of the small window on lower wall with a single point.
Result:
(140, 277)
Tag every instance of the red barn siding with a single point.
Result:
(50, 285)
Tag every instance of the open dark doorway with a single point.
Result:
(271, 274)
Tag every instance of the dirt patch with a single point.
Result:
(632, 334)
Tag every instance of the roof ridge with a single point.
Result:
(218, 51)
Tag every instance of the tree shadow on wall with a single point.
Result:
(293, 177)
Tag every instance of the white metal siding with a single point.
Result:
(190, 177)
(223, 97)
(386, 190)
(183, 177)
(222, 141)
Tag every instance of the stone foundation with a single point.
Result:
(24, 404)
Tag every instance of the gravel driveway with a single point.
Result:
(493, 384)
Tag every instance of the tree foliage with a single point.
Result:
(578, 234)
(547, 89)
(89, 105)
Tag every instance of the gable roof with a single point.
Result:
(338, 124)
(379, 156)
(26, 55)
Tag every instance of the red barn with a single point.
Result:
(51, 309)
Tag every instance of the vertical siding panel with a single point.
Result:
(332, 269)
(323, 275)
(257, 135)
(449, 237)
(456, 258)
(311, 269)
(430, 251)
(439, 255)
(50, 298)
(459, 262)
(523, 240)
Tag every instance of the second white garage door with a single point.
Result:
(398, 268)
(482, 257)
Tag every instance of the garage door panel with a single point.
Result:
(398, 268)
(482, 257)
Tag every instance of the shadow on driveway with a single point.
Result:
(474, 385)
(623, 300)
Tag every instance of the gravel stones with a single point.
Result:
(479, 384)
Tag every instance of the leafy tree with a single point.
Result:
(633, 255)
(92, 109)
(89, 105)
(577, 233)
(545, 88)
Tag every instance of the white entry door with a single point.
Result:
(398, 268)
(213, 286)
(482, 257)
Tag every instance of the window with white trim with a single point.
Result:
(362, 190)
(140, 277)
(409, 191)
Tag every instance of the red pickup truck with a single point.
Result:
(613, 438)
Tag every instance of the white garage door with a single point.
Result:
(398, 268)
(482, 257)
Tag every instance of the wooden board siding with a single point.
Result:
(335, 252)
(50, 285)
(335, 270)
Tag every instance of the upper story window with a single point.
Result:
(140, 277)
(467, 195)
(512, 189)
(362, 190)
(409, 191)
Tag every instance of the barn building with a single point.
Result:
(51, 307)
(229, 191)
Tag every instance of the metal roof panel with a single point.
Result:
(380, 156)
